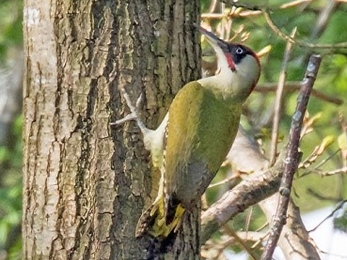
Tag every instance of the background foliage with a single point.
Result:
(316, 184)
(321, 179)
(10, 128)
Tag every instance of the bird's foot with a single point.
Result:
(134, 114)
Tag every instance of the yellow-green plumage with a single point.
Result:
(202, 126)
(197, 134)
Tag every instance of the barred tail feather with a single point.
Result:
(144, 222)
(154, 222)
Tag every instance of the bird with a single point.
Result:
(196, 134)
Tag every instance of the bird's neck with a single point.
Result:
(227, 85)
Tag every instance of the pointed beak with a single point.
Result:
(212, 38)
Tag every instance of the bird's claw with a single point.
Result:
(127, 118)
(133, 115)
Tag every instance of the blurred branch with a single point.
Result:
(11, 76)
(335, 46)
(295, 239)
(258, 186)
(278, 101)
(323, 19)
(316, 168)
(239, 240)
(342, 170)
(291, 160)
(260, 8)
(213, 249)
(322, 197)
(295, 86)
(338, 207)
(255, 188)
(320, 25)
(245, 10)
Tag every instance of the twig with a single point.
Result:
(244, 5)
(259, 8)
(338, 207)
(266, 12)
(322, 197)
(213, 5)
(323, 19)
(273, 26)
(342, 170)
(295, 3)
(295, 86)
(255, 10)
(278, 101)
(321, 23)
(233, 234)
(224, 181)
(316, 168)
(291, 160)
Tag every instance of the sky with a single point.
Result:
(331, 244)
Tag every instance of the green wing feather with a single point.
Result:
(201, 129)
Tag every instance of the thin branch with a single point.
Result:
(278, 101)
(273, 26)
(342, 170)
(295, 3)
(322, 197)
(338, 207)
(292, 157)
(247, 9)
(259, 8)
(294, 241)
(233, 234)
(316, 168)
(213, 5)
(323, 19)
(293, 86)
(222, 182)
(256, 187)
(320, 25)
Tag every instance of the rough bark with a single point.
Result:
(86, 183)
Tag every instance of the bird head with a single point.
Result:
(238, 65)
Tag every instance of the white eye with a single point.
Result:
(239, 50)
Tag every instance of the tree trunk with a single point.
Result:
(85, 182)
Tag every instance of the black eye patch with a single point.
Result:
(238, 52)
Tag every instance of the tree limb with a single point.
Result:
(294, 240)
(292, 158)
(257, 187)
(278, 101)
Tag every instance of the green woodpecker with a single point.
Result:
(195, 136)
